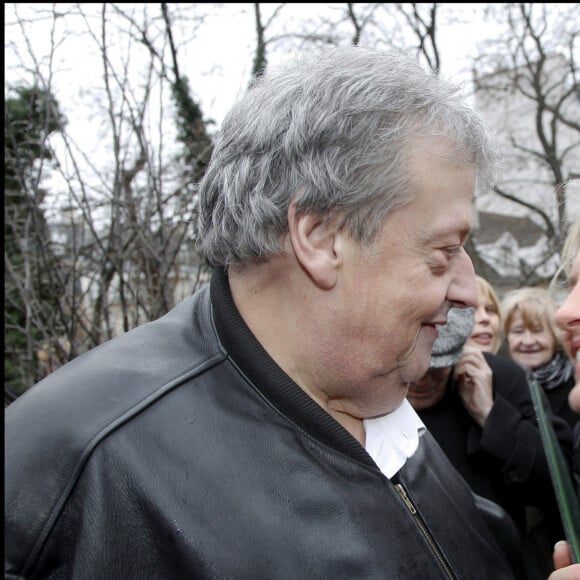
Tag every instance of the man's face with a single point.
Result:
(393, 296)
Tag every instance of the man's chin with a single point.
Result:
(415, 368)
(415, 364)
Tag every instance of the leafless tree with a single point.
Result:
(260, 56)
(33, 273)
(121, 218)
(531, 72)
(422, 20)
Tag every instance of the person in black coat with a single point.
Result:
(478, 407)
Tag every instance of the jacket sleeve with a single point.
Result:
(511, 435)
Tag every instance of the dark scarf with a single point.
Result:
(555, 373)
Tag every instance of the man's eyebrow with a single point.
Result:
(462, 229)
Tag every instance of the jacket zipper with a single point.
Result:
(407, 501)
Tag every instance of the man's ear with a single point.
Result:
(314, 241)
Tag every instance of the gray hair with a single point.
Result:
(333, 130)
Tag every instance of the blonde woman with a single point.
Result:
(535, 341)
(486, 333)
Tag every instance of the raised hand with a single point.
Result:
(474, 383)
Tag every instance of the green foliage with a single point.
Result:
(191, 130)
(30, 116)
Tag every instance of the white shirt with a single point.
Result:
(391, 439)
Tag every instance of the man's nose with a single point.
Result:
(462, 292)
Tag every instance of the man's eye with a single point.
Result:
(451, 251)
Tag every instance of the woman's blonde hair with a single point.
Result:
(486, 290)
(536, 306)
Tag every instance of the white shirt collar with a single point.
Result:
(391, 439)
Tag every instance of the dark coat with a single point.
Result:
(505, 461)
(181, 450)
(558, 400)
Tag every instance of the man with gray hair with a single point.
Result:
(260, 429)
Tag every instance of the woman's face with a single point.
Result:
(568, 319)
(530, 345)
(486, 334)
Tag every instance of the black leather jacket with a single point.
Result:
(181, 450)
